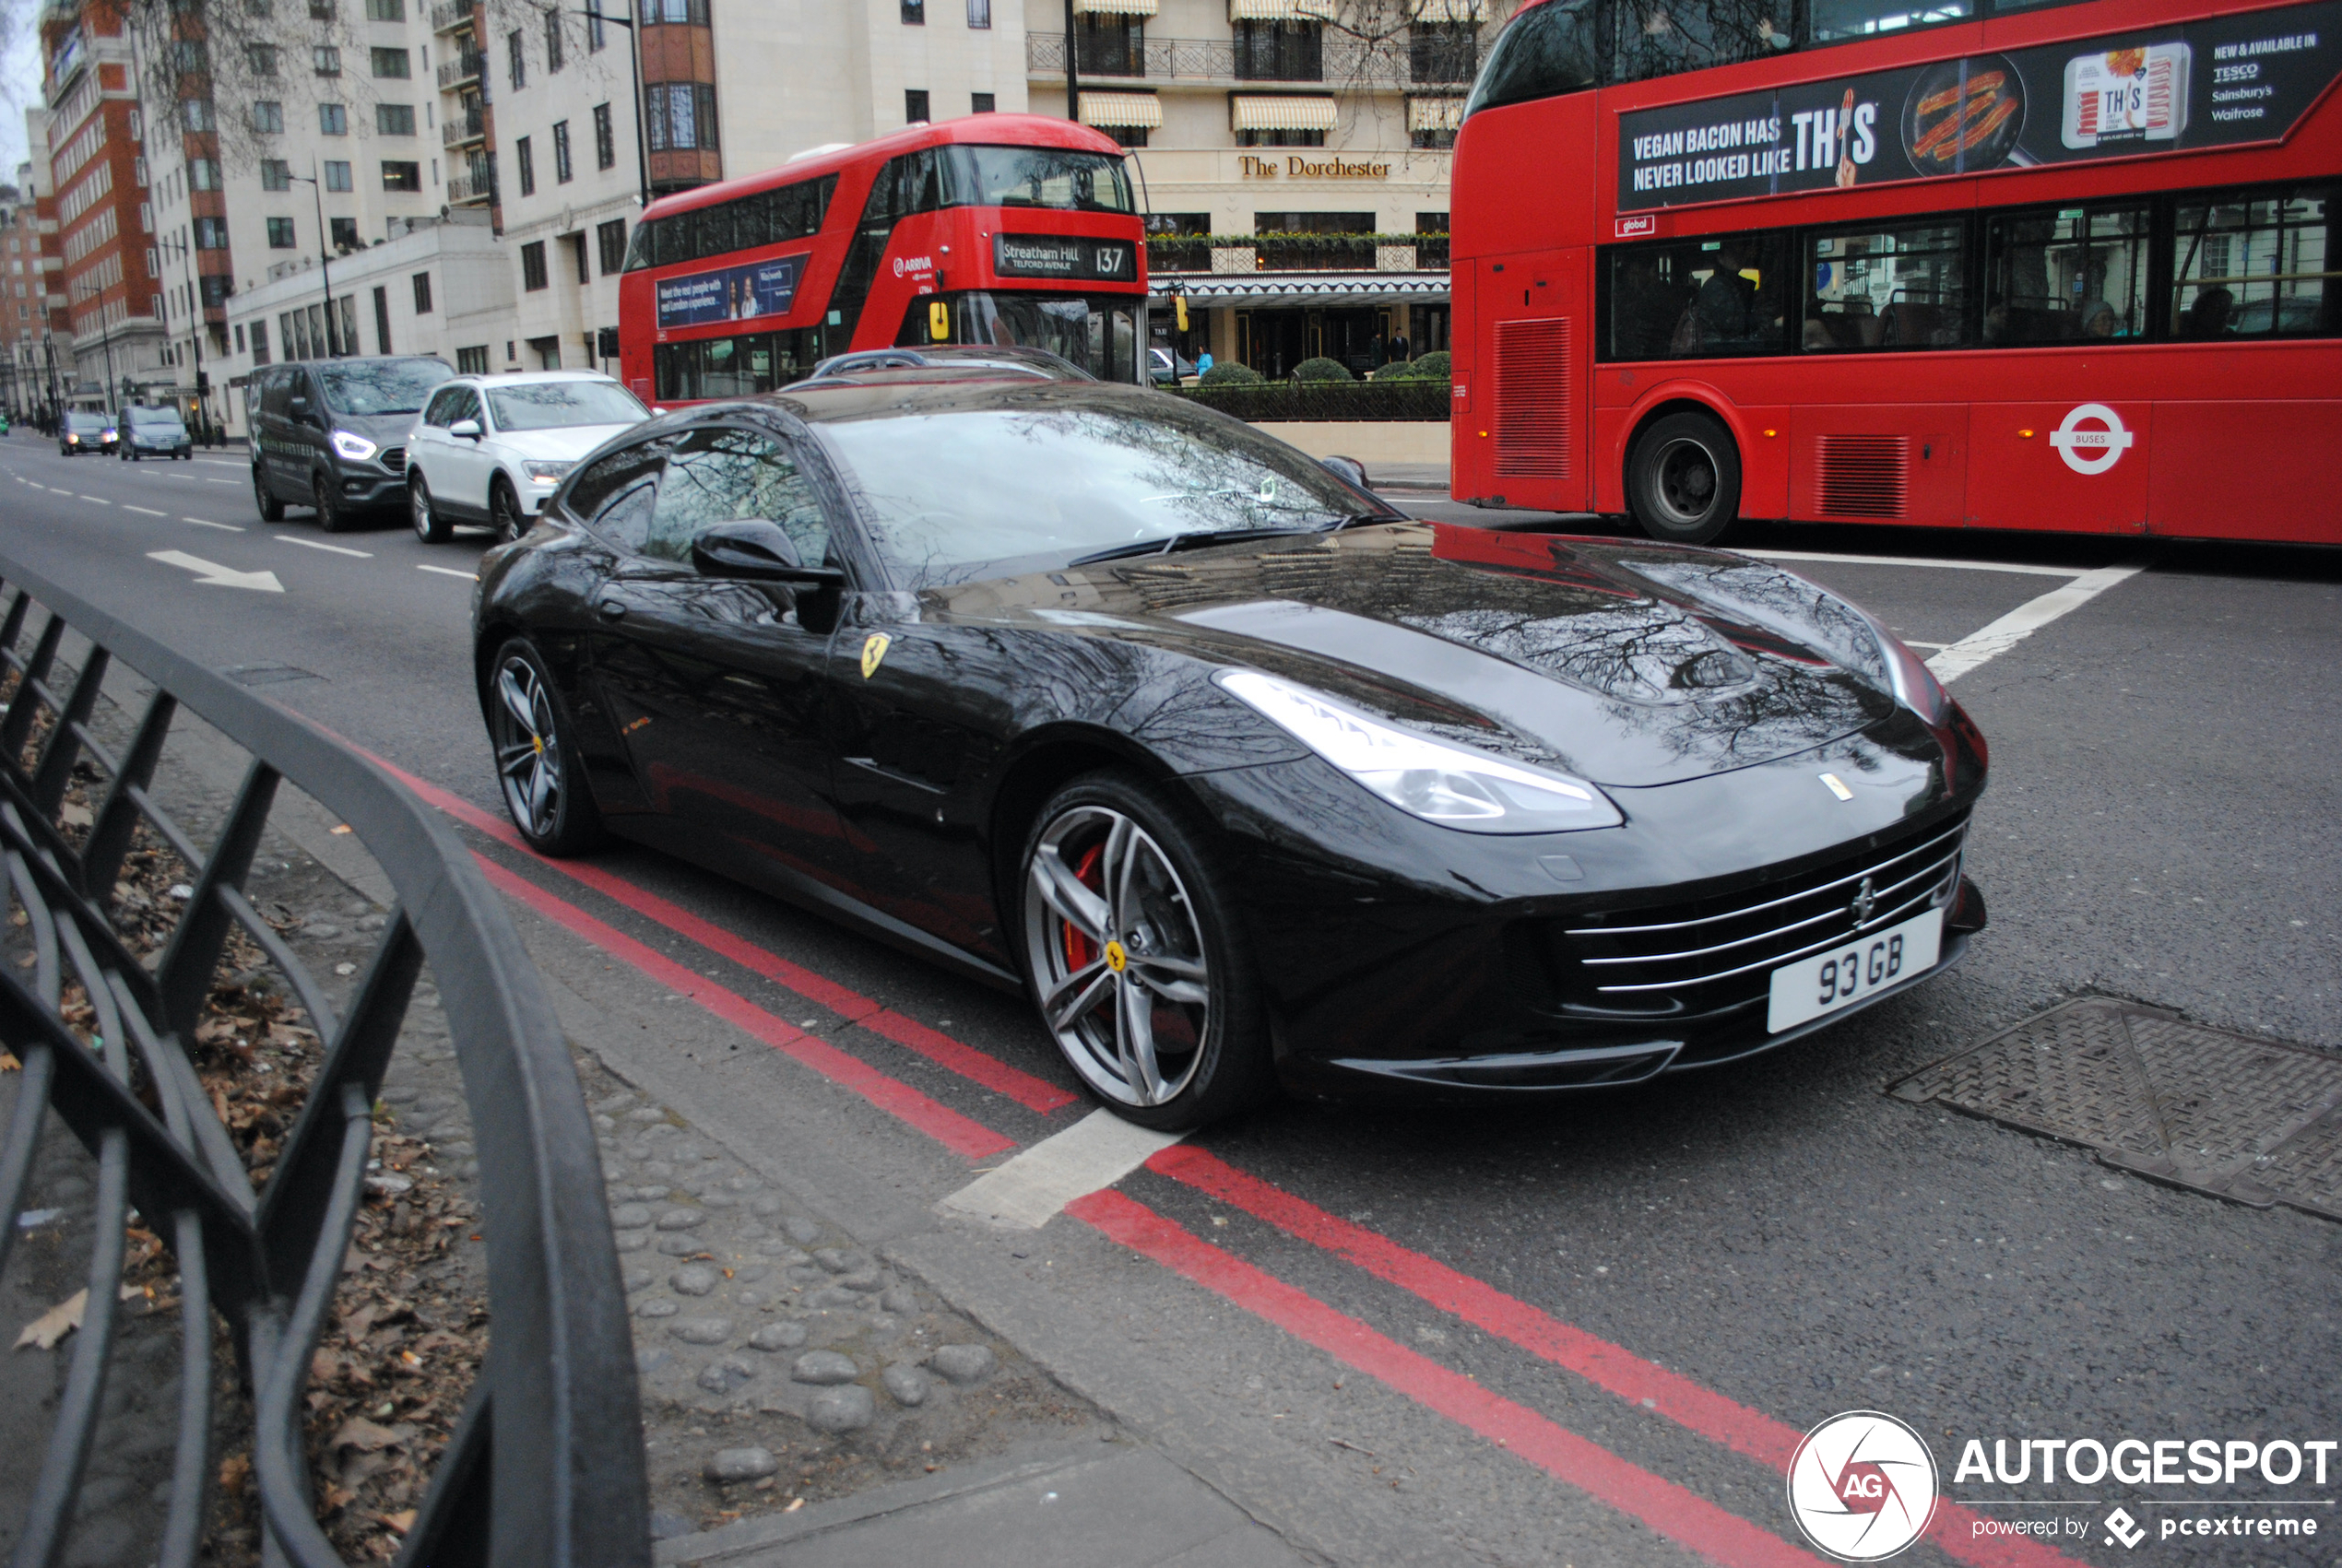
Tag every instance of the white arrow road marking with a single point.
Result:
(207, 523)
(451, 571)
(1096, 1151)
(2025, 619)
(147, 509)
(210, 573)
(316, 545)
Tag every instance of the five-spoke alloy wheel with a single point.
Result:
(526, 727)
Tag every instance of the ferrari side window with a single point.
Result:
(593, 491)
(626, 521)
(724, 475)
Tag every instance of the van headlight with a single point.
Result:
(357, 448)
(1455, 786)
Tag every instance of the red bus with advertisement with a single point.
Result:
(2000, 263)
(996, 228)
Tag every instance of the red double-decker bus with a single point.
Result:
(996, 228)
(2002, 264)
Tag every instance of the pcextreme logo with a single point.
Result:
(1862, 1486)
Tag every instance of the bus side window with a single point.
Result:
(2066, 274)
(1546, 52)
(2253, 263)
(1840, 21)
(1661, 38)
(1698, 299)
(1899, 286)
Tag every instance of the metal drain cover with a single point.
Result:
(268, 675)
(2257, 1121)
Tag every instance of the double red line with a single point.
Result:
(1668, 1509)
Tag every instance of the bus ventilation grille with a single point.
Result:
(1532, 398)
(1860, 476)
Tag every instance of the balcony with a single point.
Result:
(451, 15)
(462, 71)
(471, 190)
(1338, 62)
(463, 130)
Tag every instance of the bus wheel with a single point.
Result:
(1683, 480)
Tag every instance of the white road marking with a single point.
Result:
(451, 571)
(319, 544)
(2023, 568)
(101, 500)
(207, 523)
(2019, 624)
(209, 480)
(212, 574)
(147, 509)
(1096, 1151)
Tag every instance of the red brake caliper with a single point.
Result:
(1079, 951)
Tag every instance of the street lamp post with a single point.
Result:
(325, 258)
(178, 243)
(592, 12)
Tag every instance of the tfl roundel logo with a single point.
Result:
(2092, 438)
(1862, 1486)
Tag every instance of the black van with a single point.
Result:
(332, 434)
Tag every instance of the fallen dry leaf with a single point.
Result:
(75, 815)
(8, 1062)
(402, 1521)
(56, 1323)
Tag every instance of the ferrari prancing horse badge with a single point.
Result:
(874, 650)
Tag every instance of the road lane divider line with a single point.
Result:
(1034, 1095)
(146, 511)
(962, 1134)
(321, 544)
(1611, 1368)
(101, 500)
(1030, 1189)
(207, 523)
(451, 571)
(1665, 1507)
(212, 481)
(1998, 638)
(2021, 568)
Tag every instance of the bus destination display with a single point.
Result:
(2212, 82)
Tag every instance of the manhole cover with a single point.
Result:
(268, 675)
(2240, 1117)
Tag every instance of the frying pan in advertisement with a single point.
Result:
(1964, 115)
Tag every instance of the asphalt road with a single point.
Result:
(1786, 1242)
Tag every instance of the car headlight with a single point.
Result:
(546, 473)
(73, 441)
(1914, 684)
(1452, 785)
(357, 448)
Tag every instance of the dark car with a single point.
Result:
(971, 358)
(154, 432)
(331, 434)
(85, 430)
(1241, 775)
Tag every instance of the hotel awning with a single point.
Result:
(1299, 290)
(1122, 108)
(1450, 10)
(1261, 113)
(1281, 10)
(1114, 7)
(1434, 114)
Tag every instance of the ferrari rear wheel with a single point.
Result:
(1135, 959)
(543, 788)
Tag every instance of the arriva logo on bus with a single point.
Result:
(2091, 451)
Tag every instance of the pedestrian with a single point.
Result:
(1400, 350)
(1203, 364)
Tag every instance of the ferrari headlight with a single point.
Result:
(547, 472)
(1915, 685)
(1452, 785)
(357, 448)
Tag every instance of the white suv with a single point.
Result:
(491, 449)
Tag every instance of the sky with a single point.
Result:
(19, 84)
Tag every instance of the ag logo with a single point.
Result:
(1862, 1486)
(2091, 451)
(874, 648)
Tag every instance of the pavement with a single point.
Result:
(1590, 1331)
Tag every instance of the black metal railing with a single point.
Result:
(545, 1466)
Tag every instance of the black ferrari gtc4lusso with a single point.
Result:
(1242, 776)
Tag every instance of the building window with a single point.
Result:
(268, 117)
(188, 54)
(1280, 138)
(423, 293)
(682, 116)
(914, 106)
(333, 120)
(405, 177)
(321, 11)
(981, 102)
(562, 172)
(605, 138)
(1125, 136)
(386, 11)
(393, 63)
(517, 58)
(979, 13)
(526, 158)
(694, 11)
(345, 232)
(327, 60)
(280, 234)
(217, 287)
(612, 238)
(914, 13)
(552, 41)
(259, 342)
(394, 119)
(1443, 51)
(211, 233)
(1111, 45)
(337, 174)
(203, 174)
(1279, 52)
(597, 33)
(195, 114)
(472, 361)
(276, 174)
(532, 265)
(262, 57)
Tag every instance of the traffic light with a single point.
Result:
(1180, 310)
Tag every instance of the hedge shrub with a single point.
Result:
(1322, 369)
(1232, 374)
(1412, 399)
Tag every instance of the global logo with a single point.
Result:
(1862, 1486)
(2091, 451)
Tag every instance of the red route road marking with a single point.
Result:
(1032, 1093)
(960, 1134)
(1680, 1514)
(1607, 1366)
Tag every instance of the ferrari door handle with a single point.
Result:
(610, 610)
